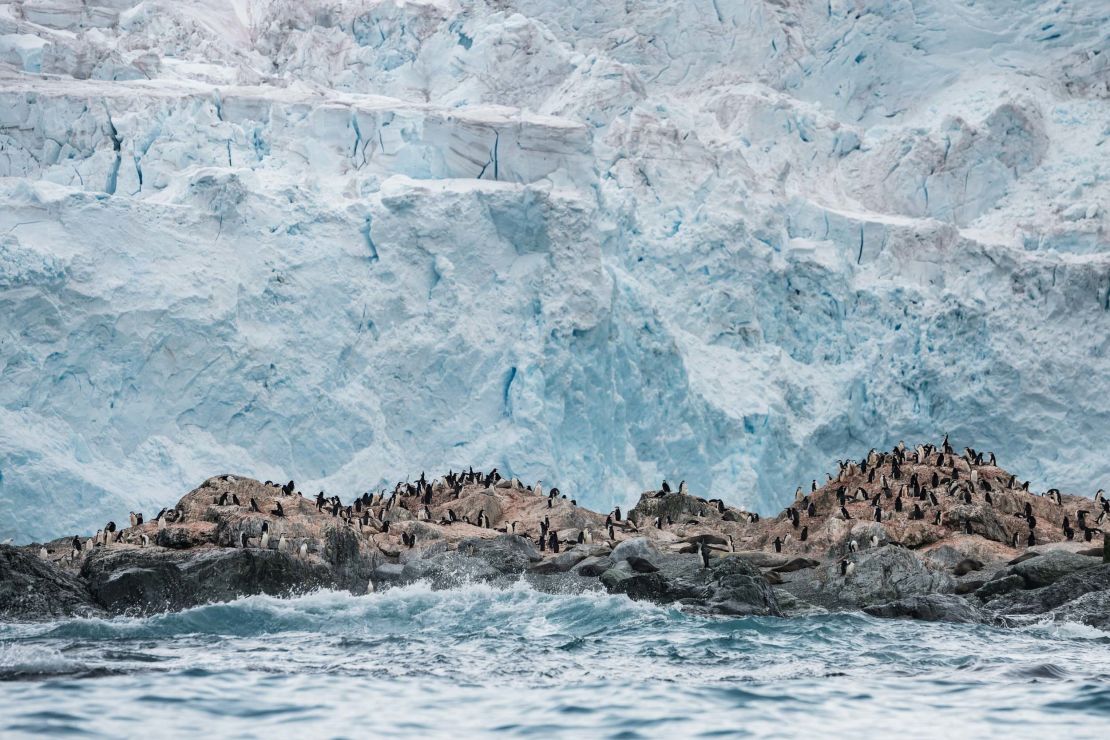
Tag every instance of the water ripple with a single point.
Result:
(414, 662)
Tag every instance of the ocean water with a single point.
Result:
(412, 662)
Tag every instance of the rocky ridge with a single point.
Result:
(922, 533)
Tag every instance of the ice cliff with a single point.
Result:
(592, 242)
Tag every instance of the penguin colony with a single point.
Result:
(929, 487)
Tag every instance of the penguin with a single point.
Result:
(936, 520)
(265, 536)
(778, 544)
(844, 513)
(804, 534)
(243, 539)
(553, 541)
(1032, 538)
(853, 546)
(587, 537)
(303, 550)
(279, 511)
(1068, 531)
(283, 545)
(542, 542)
(235, 500)
(43, 553)
(617, 514)
(134, 521)
(878, 514)
(581, 537)
(254, 505)
(612, 534)
(682, 489)
(666, 487)
(847, 567)
(811, 510)
(967, 528)
(370, 586)
(703, 551)
(874, 540)
(144, 540)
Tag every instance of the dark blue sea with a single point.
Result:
(481, 661)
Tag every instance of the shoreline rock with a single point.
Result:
(938, 548)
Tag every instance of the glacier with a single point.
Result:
(594, 243)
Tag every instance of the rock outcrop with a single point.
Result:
(922, 534)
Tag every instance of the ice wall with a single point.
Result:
(591, 242)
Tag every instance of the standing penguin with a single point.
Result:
(703, 551)
(553, 541)
(265, 536)
(778, 544)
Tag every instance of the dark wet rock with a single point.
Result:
(506, 553)
(881, 575)
(730, 586)
(593, 566)
(388, 572)
(351, 567)
(33, 589)
(1092, 609)
(1065, 589)
(639, 547)
(640, 586)
(186, 537)
(449, 570)
(739, 589)
(930, 608)
(148, 580)
(967, 587)
(1049, 567)
(998, 586)
(641, 565)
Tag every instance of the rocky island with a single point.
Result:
(924, 533)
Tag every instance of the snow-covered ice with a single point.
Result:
(594, 242)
